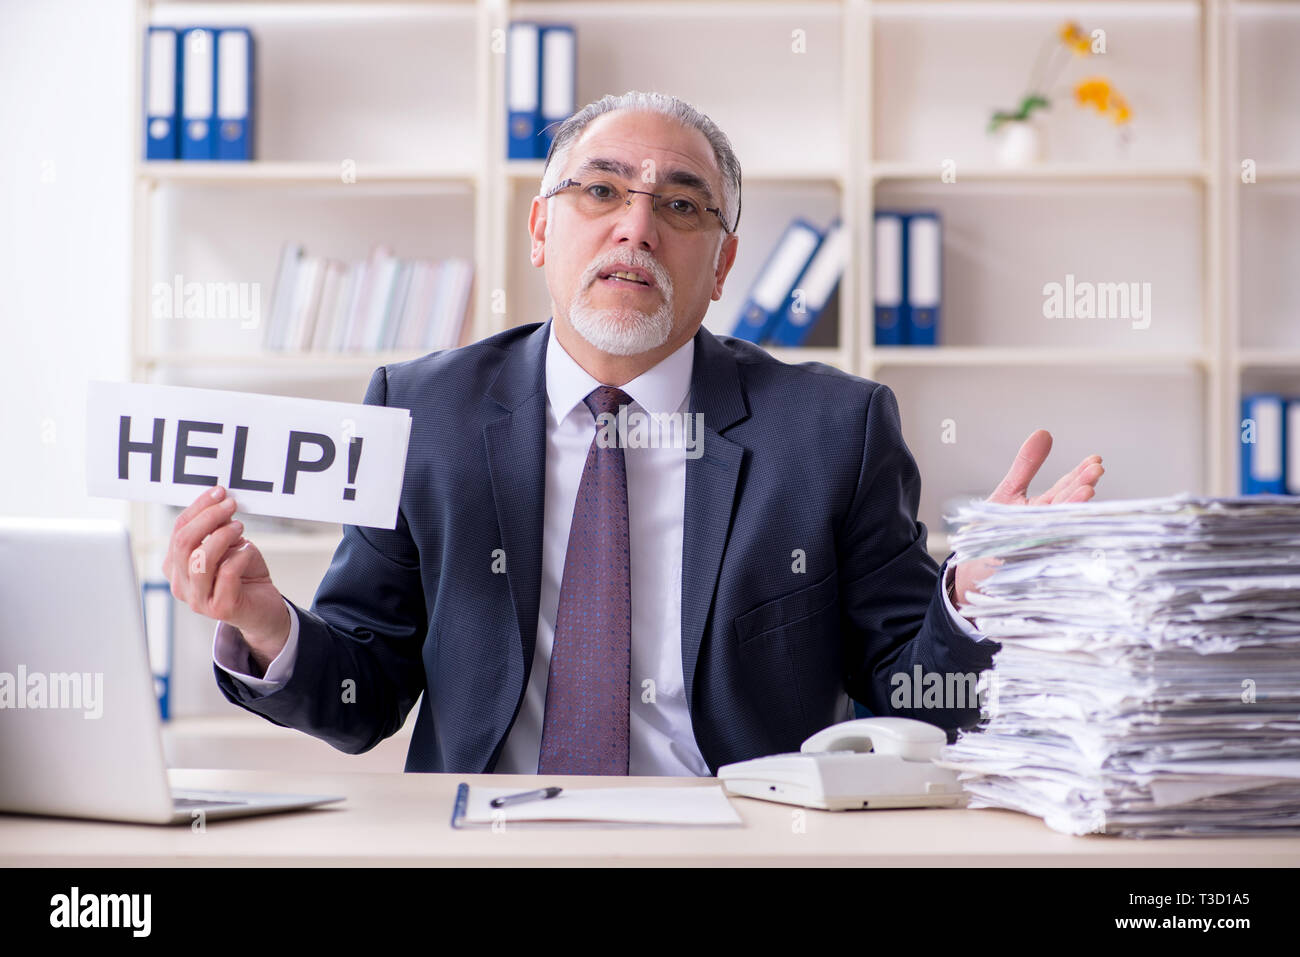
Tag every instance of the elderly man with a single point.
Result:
(571, 599)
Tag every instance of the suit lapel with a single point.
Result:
(515, 440)
(711, 485)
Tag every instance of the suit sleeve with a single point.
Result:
(895, 617)
(358, 669)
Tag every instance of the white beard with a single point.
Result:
(621, 331)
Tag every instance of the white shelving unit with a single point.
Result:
(1262, 221)
(410, 94)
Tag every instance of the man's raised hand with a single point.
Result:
(1077, 485)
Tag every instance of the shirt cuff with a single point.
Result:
(949, 572)
(232, 655)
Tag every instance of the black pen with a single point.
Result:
(540, 794)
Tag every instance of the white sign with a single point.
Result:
(275, 455)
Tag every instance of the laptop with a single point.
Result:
(80, 728)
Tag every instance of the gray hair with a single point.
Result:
(571, 129)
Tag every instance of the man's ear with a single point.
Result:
(726, 259)
(537, 230)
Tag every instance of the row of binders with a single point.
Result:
(908, 277)
(796, 284)
(381, 303)
(198, 93)
(540, 86)
(1270, 444)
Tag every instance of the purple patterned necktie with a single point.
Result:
(585, 728)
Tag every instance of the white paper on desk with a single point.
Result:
(275, 455)
(693, 805)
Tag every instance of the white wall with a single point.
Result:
(65, 234)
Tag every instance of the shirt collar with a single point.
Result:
(661, 388)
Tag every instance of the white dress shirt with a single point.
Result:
(661, 740)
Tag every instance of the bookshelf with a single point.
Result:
(1262, 319)
(883, 95)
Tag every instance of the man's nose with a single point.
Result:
(637, 221)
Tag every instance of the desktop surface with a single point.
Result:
(398, 819)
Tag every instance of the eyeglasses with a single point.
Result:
(683, 210)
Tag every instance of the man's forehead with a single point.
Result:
(624, 154)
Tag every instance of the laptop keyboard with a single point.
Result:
(205, 802)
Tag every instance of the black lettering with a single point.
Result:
(237, 479)
(184, 450)
(125, 447)
(294, 464)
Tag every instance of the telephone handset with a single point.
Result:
(865, 763)
(909, 739)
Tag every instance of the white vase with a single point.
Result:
(1019, 143)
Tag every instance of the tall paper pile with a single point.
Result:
(1149, 679)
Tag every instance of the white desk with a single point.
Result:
(404, 819)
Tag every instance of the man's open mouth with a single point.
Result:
(623, 276)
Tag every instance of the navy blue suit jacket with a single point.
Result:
(795, 457)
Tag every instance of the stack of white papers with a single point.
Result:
(1149, 679)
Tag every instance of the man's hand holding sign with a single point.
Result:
(222, 575)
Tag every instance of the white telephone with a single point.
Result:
(867, 763)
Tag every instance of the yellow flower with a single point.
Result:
(1074, 38)
(1095, 90)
